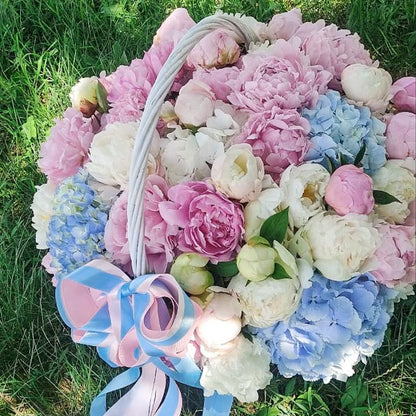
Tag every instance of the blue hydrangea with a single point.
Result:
(336, 325)
(339, 130)
(76, 229)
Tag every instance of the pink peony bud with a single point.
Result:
(404, 94)
(284, 25)
(174, 27)
(195, 103)
(401, 136)
(350, 190)
(215, 50)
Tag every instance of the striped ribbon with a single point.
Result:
(146, 324)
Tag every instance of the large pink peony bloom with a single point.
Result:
(280, 75)
(66, 148)
(396, 255)
(332, 48)
(210, 224)
(115, 235)
(160, 237)
(278, 137)
(284, 25)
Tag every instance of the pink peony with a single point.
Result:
(278, 137)
(284, 25)
(160, 237)
(66, 148)
(396, 255)
(350, 190)
(332, 48)
(210, 224)
(401, 136)
(195, 103)
(115, 235)
(280, 75)
(217, 80)
(130, 87)
(404, 94)
(215, 49)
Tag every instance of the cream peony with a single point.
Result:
(367, 85)
(110, 154)
(268, 301)
(238, 173)
(240, 372)
(42, 207)
(399, 182)
(256, 212)
(83, 96)
(304, 190)
(338, 246)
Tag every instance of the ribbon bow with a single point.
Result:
(146, 324)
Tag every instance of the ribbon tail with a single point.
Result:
(143, 399)
(217, 405)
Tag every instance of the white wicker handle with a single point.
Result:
(150, 118)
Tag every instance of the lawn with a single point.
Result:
(46, 46)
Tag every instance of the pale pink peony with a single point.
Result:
(66, 148)
(210, 224)
(396, 255)
(401, 136)
(216, 49)
(217, 80)
(160, 237)
(404, 94)
(350, 190)
(280, 75)
(195, 103)
(130, 87)
(333, 48)
(278, 137)
(115, 235)
(284, 25)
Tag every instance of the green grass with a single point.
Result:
(46, 46)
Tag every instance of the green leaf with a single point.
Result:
(267, 411)
(279, 273)
(223, 269)
(29, 128)
(330, 164)
(360, 155)
(343, 160)
(355, 393)
(102, 98)
(290, 387)
(275, 227)
(383, 198)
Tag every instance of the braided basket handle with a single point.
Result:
(150, 118)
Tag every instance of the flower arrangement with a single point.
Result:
(277, 198)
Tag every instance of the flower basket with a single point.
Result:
(230, 201)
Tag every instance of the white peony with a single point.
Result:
(304, 190)
(338, 246)
(399, 182)
(367, 85)
(238, 173)
(83, 96)
(42, 207)
(110, 154)
(268, 301)
(240, 372)
(256, 212)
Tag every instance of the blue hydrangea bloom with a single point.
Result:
(76, 230)
(336, 325)
(339, 129)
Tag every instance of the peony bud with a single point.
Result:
(238, 173)
(83, 96)
(404, 94)
(256, 262)
(401, 136)
(367, 85)
(220, 322)
(188, 269)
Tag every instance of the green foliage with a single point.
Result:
(46, 46)
(275, 227)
